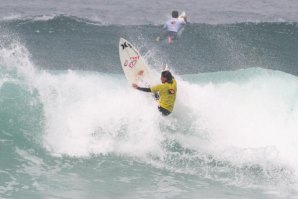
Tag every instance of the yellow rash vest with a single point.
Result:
(167, 93)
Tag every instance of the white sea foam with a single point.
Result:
(242, 121)
(253, 122)
(246, 122)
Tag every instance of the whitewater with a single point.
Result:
(72, 127)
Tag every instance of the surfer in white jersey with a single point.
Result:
(172, 26)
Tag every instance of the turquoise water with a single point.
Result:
(76, 134)
(64, 42)
(71, 126)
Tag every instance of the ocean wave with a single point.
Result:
(222, 121)
(64, 42)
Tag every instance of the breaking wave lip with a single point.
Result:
(96, 20)
(19, 17)
(51, 17)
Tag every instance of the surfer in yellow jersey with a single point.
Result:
(167, 92)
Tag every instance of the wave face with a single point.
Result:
(72, 43)
(135, 12)
(71, 126)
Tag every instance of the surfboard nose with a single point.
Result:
(121, 40)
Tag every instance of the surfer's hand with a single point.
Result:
(134, 85)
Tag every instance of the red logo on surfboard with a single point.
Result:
(132, 62)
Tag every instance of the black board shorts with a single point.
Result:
(164, 111)
(172, 34)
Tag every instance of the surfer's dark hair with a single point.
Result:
(175, 14)
(168, 75)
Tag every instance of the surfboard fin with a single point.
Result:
(166, 68)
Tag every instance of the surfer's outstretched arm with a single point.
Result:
(141, 88)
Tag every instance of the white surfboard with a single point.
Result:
(133, 64)
(181, 17)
